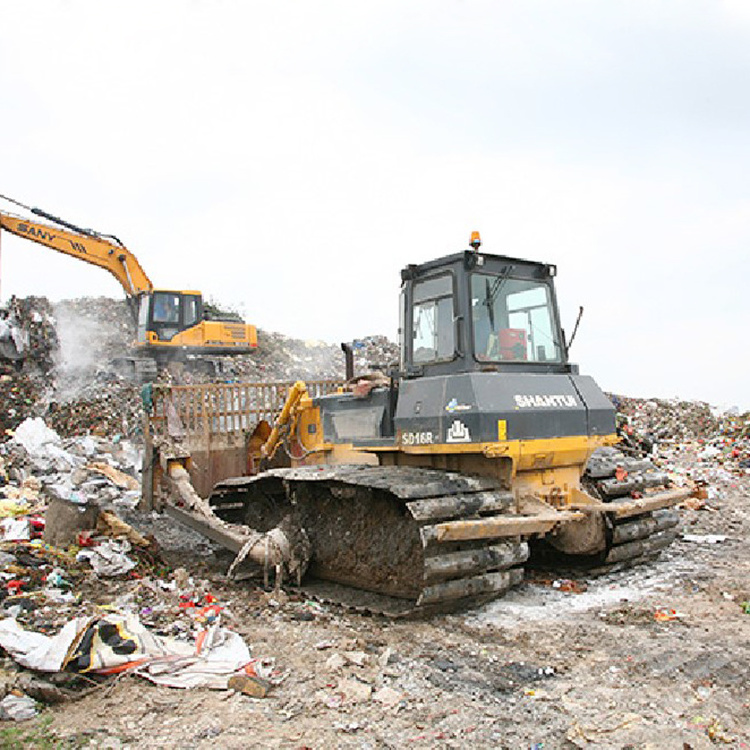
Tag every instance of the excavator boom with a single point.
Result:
(85, 245)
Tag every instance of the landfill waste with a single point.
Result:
(73, 432)
(17, 708)
(80, 469)
(30, 324)
(256, 687)
(712, 438)
(119, 642)
(108, 558)
(666, 615)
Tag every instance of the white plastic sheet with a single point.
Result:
(120, 642)
(108, 558)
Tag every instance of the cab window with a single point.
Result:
(191, 310)
(166, 308)
(143, 316)
(513, 320)
(433, 328)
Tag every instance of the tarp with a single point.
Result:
(117, 643)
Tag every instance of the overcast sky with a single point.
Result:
(289, 158)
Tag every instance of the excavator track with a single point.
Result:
(375, 533)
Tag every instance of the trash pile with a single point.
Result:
(687, 432)
(698, 447)
(74, 626)
(282, 358)
(93, 332)
(84, 593)
(31, 327)
(20, 396)
(106, 406)
(81, 470)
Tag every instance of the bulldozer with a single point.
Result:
(433, 485)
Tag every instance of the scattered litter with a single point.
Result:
(705, 538)
(119, 642)
(15, 529)
(667, 615)
(109, 558)
(568, 585)
(255, 687)
(17, 708)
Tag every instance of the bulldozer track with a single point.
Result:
(613, 477)
(375, 532)
(637, 539)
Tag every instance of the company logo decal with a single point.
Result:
(453, 405)
(526, 402)
(458, 432)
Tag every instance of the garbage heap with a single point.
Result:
(699, 447)
(23, 383)
(281, 358)
(691, 427)
(65, 551)
(34, 318)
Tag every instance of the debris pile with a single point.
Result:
(103, 598)
(81, 470)
(689, 433)
(34, 329)
(20, 395)
(282, 358)
(108, 406)
(64, 553)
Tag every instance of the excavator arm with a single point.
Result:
(85, 244)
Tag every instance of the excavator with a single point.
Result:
(432, 486)
(170, 325)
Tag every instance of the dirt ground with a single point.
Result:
(656, 657)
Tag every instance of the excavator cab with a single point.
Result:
(477, 312)
(172, 324)
(164, 314)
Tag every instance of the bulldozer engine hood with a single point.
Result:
(476, 408)
(470, 408)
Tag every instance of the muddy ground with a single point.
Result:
(658, 657)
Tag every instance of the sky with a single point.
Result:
(289, 158)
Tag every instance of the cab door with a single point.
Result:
(173, 312)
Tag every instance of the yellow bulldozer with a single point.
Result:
(433, 485)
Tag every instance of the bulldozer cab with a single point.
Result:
(478, 312)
